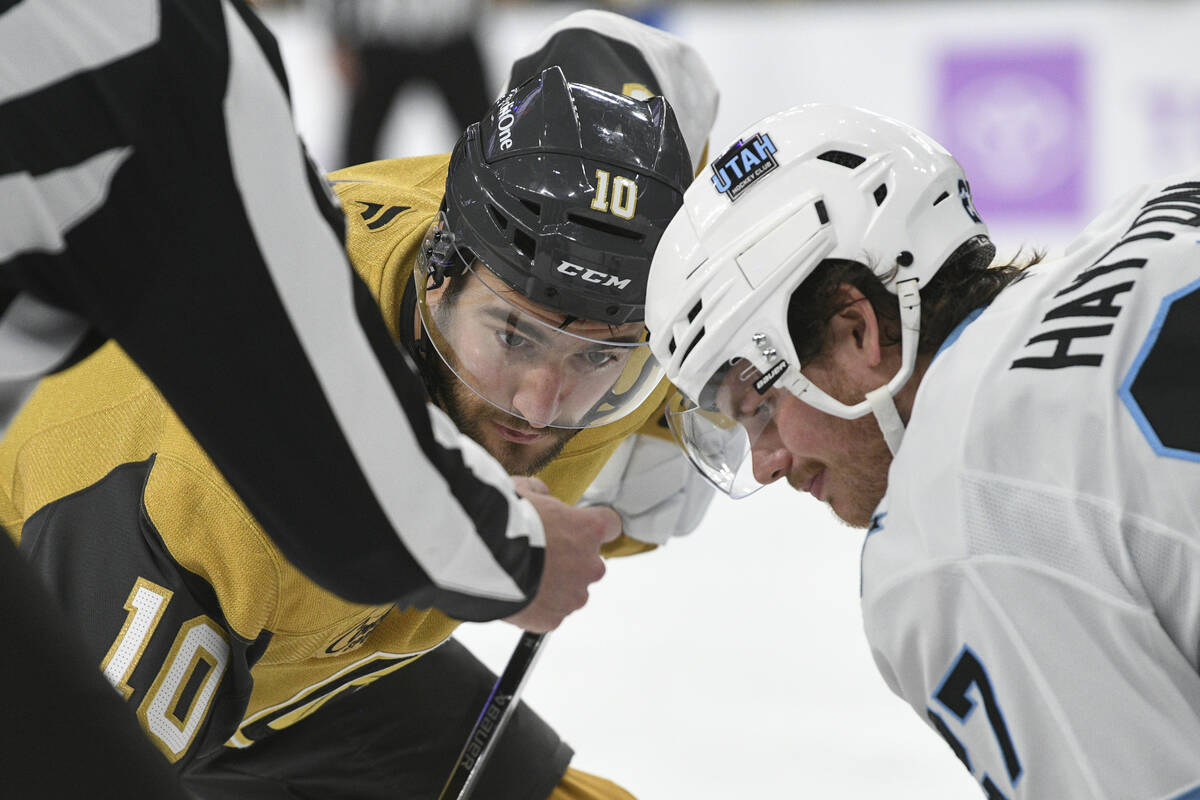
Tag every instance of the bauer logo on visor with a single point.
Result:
(767, 381)
(743, 164)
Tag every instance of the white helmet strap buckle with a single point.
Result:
(883, 406)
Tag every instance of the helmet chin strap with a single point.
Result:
(884, 408)
(882, 401)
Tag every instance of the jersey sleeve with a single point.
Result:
(650, 482)
(156, 629)
(175, 210)
(1015, 668)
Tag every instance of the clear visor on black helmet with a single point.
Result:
(523, 358)
(734, 415)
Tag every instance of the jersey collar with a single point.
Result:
(962, 326)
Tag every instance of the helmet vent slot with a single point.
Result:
(535, 208)
(695, 310)
(692, 346)
(605, 227)
(525, 243)
(822, 212)
(880, 194)
(498, 218)
(941, 197)
(842, 158)
(671, 346)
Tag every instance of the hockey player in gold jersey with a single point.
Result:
(193, 613)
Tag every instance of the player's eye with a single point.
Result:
(757, 407)
(511, 339)
(598, 358)
(766, 409)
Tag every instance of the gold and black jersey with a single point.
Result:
(188, 606)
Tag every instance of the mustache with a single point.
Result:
(516, 424)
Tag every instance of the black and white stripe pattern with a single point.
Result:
(87, 36)
(151, 182)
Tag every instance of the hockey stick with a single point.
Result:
(495, 715)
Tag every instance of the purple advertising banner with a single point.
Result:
(1017, 121)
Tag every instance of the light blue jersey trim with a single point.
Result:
(1190, 794)
(962, 326)
(876, 525)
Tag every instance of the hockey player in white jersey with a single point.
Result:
(1030, 481)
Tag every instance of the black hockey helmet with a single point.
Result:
(563, 191)
(554, 204)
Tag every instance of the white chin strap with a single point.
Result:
(884, 408)
(879, 402)
(882, 400)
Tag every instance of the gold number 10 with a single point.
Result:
(624, 195)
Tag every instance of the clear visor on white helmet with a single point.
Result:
(734, 416)
(525, 359)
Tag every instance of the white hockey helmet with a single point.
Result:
(811, 183)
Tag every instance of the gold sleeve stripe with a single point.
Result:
(312, 697)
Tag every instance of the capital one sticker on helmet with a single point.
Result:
(504, 121)
(593, 275)
(743, 164)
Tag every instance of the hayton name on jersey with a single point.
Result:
(1176, 207)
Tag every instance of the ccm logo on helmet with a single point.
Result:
(505, 120)
(592, 275)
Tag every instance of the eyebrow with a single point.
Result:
(512, 319)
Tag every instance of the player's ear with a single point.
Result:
(854, 335)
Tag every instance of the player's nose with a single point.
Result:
(772, 460)
(538, 398)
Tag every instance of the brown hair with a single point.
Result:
(965, 282)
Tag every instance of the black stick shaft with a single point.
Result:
(495, 715)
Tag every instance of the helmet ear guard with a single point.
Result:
(438, 257)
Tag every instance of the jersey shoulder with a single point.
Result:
(77, 426)
(102, 414)
(1048, 409)
(389, 206)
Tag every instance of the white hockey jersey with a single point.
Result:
(1031, 581)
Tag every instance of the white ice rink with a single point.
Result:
(730, 664)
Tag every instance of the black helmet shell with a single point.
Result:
(563, 191)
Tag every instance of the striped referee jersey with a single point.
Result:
(153, 191)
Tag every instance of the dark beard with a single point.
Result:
(452, 396)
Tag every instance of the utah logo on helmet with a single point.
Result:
(743, 164)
